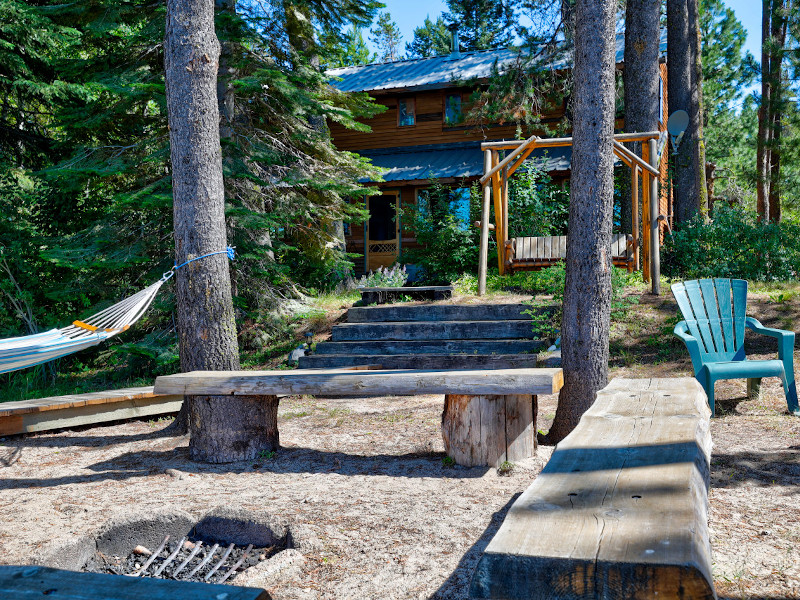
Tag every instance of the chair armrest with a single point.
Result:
(692, 345)
(785, 338)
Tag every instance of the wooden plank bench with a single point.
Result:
(34, 582)
(56, 412)
(621, 508)
(532, 253)
(489, 415)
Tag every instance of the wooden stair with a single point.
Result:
(431, 336)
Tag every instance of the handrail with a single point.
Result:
(512, 155)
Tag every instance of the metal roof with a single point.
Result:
(459, 160)
(442, 71)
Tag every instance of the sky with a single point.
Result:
(409, 14)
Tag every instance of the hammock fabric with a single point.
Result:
(30, 350)
(22, 352)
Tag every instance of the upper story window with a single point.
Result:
(452, 109)
(406, 114)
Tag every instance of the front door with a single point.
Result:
(383, 230)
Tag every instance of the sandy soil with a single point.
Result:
(391, 519)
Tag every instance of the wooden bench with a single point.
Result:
(532, 253)
(31, 582)
(43, 414)
(489, 415)
(621, 508)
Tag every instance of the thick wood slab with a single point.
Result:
(23, 583)
(394, 347)
(57, 412)
(421, 361)
(374, 383)
(620, 510)
(437, 312)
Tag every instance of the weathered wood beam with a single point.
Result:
(635, 215)
(655, 211)
(621, 508)
(498, 214)
(646, 229)
(378, 383)
(508, 159)
(632, 158)
(567, 141)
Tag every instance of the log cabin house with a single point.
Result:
(421, 136)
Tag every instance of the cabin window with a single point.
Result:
(452, 109)
(405, 112)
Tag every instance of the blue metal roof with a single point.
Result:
(442, 71)
(459, 160)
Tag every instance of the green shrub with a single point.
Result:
(733, 244)
(384, 277)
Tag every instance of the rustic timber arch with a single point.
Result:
(496, 174)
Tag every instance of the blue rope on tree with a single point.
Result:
(229, 251)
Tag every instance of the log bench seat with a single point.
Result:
(621, 508)
(489, 415)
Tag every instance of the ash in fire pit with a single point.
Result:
(172, 545)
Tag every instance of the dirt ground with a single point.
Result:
(388, 516)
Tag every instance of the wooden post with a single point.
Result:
(505, 207)
(483, 257)
(498, 215)
(635, 215)
(646, 228)
(655, 211)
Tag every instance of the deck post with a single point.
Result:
(483, 257)
(498, 214)
(655, 211)
(505, 211)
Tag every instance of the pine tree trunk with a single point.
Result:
(206, 326)
(641, 80)
(778, 34)
(685, 93)
(763, 170)
(587, 294)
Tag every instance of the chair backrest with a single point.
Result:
(714, 311)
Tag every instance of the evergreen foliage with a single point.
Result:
(86, 174)
(432, 38)
(387, 37)
(482, 24)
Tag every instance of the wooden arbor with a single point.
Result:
(495, 184)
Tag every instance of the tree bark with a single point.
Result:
(763, 144)
(685, 93)
(206, 325)
(587, 294)
(641, 80)
(778, 35)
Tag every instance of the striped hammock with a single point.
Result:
(30, 350)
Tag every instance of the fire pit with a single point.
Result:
(174, 545)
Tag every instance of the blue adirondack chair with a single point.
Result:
(713, 331)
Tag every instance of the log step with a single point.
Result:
(421, 361)
(509, 346)
(448, 330)
(437, 312)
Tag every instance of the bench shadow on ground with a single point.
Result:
(289, 460)
(457, 585)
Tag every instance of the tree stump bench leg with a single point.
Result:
(230, 428)
(754, 388)
(488, 430)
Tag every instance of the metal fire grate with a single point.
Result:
(189, 561)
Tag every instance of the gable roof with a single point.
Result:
(441, 71)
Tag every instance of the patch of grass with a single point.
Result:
(267, 454)
(295, 414)
(448, 462)
(505, 468)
